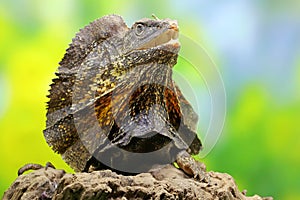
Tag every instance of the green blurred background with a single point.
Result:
(255, 44)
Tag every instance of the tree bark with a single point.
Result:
(165, 183)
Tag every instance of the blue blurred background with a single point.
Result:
(255, 44)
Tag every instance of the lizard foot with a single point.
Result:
(32, 166)
(192, 167)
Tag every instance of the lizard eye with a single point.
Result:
(139, 29)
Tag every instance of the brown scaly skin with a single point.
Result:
(114, 96)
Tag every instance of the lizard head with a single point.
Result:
(153, 38)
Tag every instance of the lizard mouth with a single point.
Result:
(169, 38)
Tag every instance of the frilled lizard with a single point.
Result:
(114, 104)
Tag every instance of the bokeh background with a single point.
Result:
(254, 43)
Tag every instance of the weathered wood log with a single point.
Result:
(165, 183)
